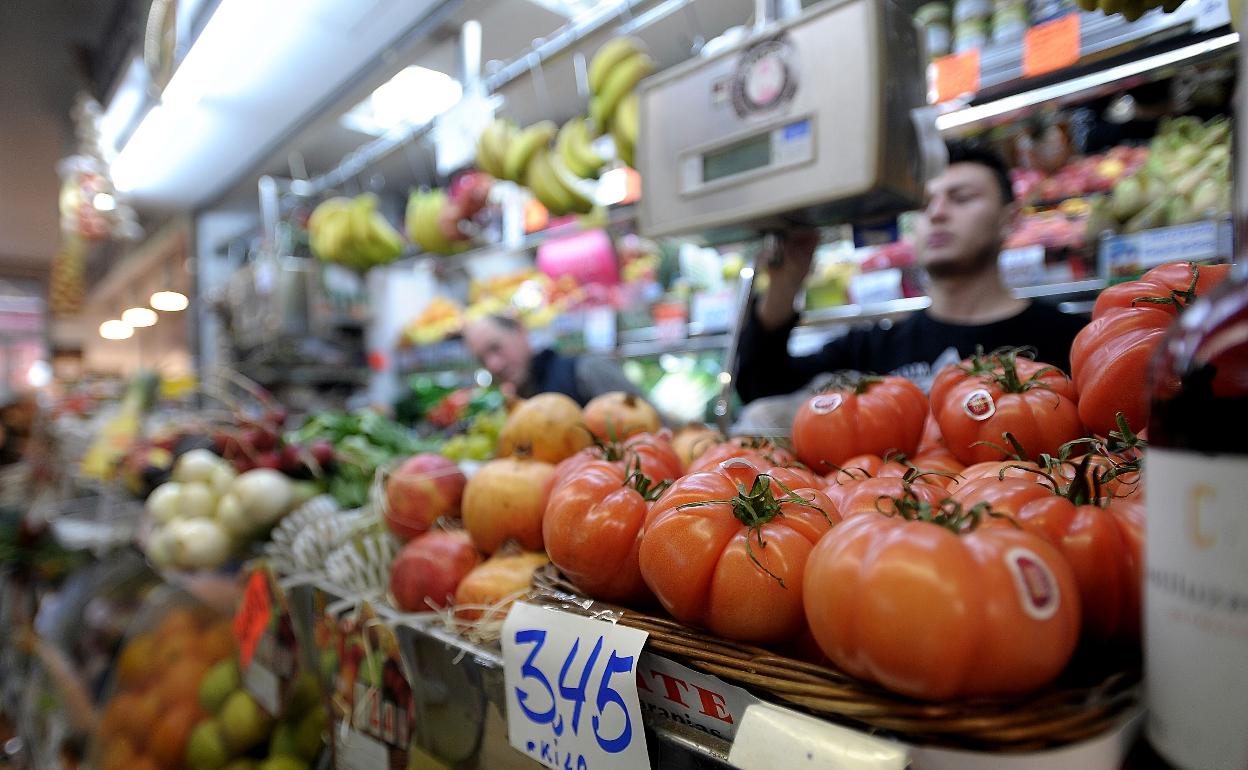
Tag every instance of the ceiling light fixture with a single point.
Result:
(169, 301)
(115, 329)
(413, 97)
(139, 317)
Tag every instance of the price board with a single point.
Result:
(571, 687)
(1051, 46)
(268, 651)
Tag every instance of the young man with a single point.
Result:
(502, 346)
(969, 212)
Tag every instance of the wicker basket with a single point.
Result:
(1090, 698)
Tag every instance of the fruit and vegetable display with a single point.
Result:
(1186, 178)
(178, 701)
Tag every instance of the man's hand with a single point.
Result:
(797, 251)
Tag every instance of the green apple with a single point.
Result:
(283, 740)
(243, 723)
(206, 748)
(283, 762)
(221, 680)
(310, 734)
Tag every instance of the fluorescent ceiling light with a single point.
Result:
(116, 330)
(1036, 96)
(169, 301)
(413, 97)
(124, 108)
(103, 202)
(139, 317)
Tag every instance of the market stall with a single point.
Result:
(353, 539)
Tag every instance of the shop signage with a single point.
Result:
(672, 692)
(1128, 255)
(956, 75)
(268, 652)
(572, 695)
(252, 617)
(1051, 46)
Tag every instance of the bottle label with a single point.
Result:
(1196, 607)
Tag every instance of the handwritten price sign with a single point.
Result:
(572, 690)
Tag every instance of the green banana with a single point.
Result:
(576, 151)
(521, 150)
(422, 221)
(608, 56)
(622, 80)
(545, 186)
(577, 202)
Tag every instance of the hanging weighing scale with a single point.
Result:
(816, 120)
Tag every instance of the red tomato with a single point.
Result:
(936, 615)
(1102, 540)
(729, 561)
(1110, 358)
(877, 416)
(881, 495)
(931, 439)
(592, 530)
(1037, 409)
(762, 452)
(652, 453)
(936, 462)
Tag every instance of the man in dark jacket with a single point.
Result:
(970, 211)
(502, 346)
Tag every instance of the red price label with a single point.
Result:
(1051, 46)
(957, 74)
(252, 617)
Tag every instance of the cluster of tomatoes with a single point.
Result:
(954, 544)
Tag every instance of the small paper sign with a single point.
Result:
(675, 693)
(774, 736)
(252, 617)
(572, 690)
(1051, 46)
(957, 75)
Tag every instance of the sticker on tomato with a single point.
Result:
(826, 404)
(979, 405)
(1035, 583)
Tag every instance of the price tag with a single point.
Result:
(1051, 46)
(714, 311)
(1211, 14)
(678, 694)
(1023, 266)
(876, 286)
(252, 617)
(772, 736)
(572, 690)
(956, 75)
(600, 329)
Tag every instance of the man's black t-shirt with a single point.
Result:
(915, 347)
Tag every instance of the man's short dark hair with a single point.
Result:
(961, 151)
(507, 322)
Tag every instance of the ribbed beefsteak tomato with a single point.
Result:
(1110, 358)
(984, 399)
(934, 613)
(725, 549)
(592, 531)
(875, 415)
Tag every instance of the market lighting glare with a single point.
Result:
(116, 330)
(413, 97)
(139, 317)
(103, 202)
(169, 301)
(39, 375)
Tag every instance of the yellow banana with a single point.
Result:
(622, 80)
(521, 150)
(493, 144)
(608, 56)
(577, 201)
(576, 151)
(627, 122)
(545, 186)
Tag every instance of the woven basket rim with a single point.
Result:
(1059, 715)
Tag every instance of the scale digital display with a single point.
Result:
(776, 146)
(738, 158)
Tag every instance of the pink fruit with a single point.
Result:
(421, 490)
(427, 570)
